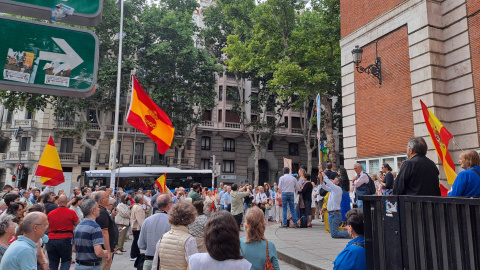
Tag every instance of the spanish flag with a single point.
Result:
(147, 117)
(162, 183)
(49, 168)
(440, 138)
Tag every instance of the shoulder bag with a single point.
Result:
(268, 263)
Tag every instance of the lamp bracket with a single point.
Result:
(374, 69)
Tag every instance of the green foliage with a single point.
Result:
(179, 77)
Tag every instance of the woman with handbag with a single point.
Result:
(209, 204)
(261, 253)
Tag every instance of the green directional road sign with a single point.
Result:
(47, 59)
(85, 12)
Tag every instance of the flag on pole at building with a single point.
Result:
(440, 137)
(49, 167)
(162, 183)
(147, 117)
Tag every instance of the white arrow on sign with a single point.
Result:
(70, 58)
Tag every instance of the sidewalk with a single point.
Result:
(305, 248)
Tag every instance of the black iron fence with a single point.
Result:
(417, 232)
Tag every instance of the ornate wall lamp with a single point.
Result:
(374, 69)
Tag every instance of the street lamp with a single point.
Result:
(374, 69)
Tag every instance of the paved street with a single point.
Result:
(309, 248)
(123, 261)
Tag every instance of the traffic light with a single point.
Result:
(14, 177)
(212, 163)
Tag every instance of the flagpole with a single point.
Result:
(117, 97)
(319, 108)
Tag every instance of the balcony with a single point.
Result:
(27, 123)
(183, 161)
(232, 125)
(63, 124)
(3, 156)
(297, 131)
(12, 157)
(208, 124)
(6, 125)
(69, 157)
(138, 160)
(159, 161)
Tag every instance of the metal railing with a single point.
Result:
(159, 161)
(419, 232)
(3, 156)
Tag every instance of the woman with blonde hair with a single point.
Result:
(255, 247)
(209, 203)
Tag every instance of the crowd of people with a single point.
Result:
(200, 229)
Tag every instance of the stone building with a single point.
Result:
(429, 51)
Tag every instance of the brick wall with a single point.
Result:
(357, 13)
(384, 113)
(472, 6)
(474, 34)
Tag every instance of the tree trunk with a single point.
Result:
(179, 157)
(255, 161)
(328, 126)
(309, 160)
(93, 158)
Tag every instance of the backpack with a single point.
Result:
(371, 186)
(303, 222)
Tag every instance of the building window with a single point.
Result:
(270, 145)
(315, 153)
(28, 115)
(293, 149)
(229, 145)
(66, 145)
(92, 116)
(205, 164)
(120, 118)
(228, 166)
(220, 92)
(25, 144)
(205, 143)
(88, 152)
(295, 168)
(373, 165)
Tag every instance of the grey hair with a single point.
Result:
(163, 200)
(30, 221)
(138, 198)
(111, 201)
(358, 165)
(98, 196)
(87, 207)
(5, 223)
(418, 145)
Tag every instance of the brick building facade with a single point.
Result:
(429, 51)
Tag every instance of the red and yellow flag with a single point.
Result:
(440, 138)
(147, 117)
(162, 183)
(49, 167)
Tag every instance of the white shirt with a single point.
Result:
(316, 190)
(335, 197)
(203, 261)
(261, 198)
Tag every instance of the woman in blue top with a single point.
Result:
(467, 182)
(254, 246)
(353, 256)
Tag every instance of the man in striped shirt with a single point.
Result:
(88, 239)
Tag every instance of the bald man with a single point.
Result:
(62, 223)
(22, 254)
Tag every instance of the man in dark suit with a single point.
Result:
(418, 175)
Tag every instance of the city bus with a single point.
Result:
(145, 177)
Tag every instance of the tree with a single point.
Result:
(301, 52)
(178, 73)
